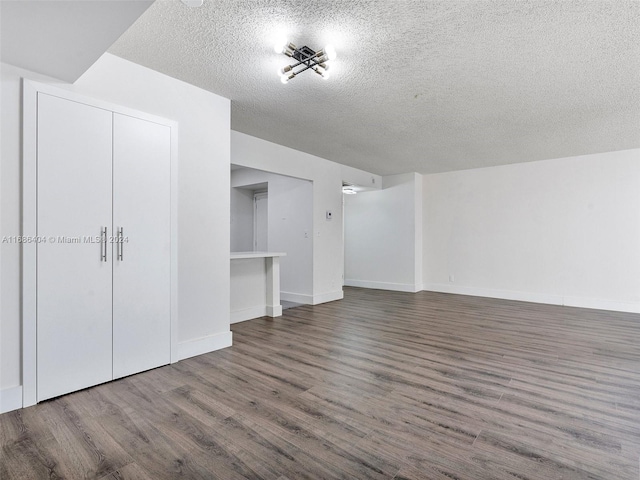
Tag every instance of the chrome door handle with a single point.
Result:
(103, 244)
(121, 244)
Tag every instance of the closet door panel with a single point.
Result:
(142, 275)
(74, 296)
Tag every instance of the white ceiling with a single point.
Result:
(425, 86)
(62, 38)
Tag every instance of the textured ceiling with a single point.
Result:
(418, 85)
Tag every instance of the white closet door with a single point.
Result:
(74, 281)
(141, 277)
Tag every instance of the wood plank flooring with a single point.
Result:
(380, 385)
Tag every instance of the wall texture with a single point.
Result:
(563, 231)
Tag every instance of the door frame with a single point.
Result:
(259, 194)
(29, 221)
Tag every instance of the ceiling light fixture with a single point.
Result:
(307, 58)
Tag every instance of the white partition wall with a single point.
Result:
(255, 285)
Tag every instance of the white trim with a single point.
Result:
(396, 287)
(59, 92)
(550, 299)
(239, 255)
(248, 314)
(602, 304)
(275, 311)
(312, 299)
(207, 344)
(10, 399)
(328, 297)
(491, 293)
(296, 298)
(174, 240)
(29, 221)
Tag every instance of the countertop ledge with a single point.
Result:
(236, 255)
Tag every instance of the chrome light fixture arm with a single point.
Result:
(310, 59)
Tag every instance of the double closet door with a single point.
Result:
(103, 257)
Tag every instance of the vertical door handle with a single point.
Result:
(103, 244)
(121, 244)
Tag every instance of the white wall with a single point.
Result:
(291, 231)
(562, 231)
(10, 215)
(383, 235)
(360, 177)
(203, 198)
(241, 219)
(248, 289)
(327, 179)
(290, 228)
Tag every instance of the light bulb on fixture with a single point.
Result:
(305, 59)
(280, 46)
(286, 78)
(323, 73)
(330, 51)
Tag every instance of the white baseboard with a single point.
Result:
(275, 311)
(550, 299)
(396, 287)
(248, 313)
(493, 293)
(328, 297)
(602, 304)
(10, 399)
(207, 344)
(296, 298)
(312, 299)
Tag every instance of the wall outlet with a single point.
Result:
(329, 214)
(452, 279)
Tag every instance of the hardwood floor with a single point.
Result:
(379, 385)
